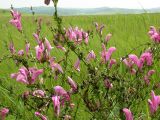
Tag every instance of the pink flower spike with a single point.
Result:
(112, 62)
(128, 114)
(3, 113)
(56, 103)
(77, 65)
(11, 48)
(36, 36)
(21, 52)
(39, 51)
(27, 48)
(59, 91)
(91, 55)
(135, 59)
(39, 93)
(154, 102)
(151, 72)
(42, 117)
(60, 47)
(108, 84)
(27, 76)
(48, 45)
(16, 20)
(73, 85)
(35, 73)
(55, 66)
(108, 37)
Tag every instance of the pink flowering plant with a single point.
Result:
(80, 78)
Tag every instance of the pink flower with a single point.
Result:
(39, 51)
(91, 55)
(106, 55)
(77, 65)
(151, 72)
(108, 37)
(86, 37)
(48, 45)
(148, 75)
(27, 48)
(3, 113)
(73, 85)
(55, 66)
(56, 103)
(135, 59)
(129, 63)
(112, 62)
(21, 52)
(133, 71)
(42, 117)
(146, 57)
(11, 48)
(27, 76)
(96, 25)
(60, 47)
(128, 114)
(39, 93)
(36, 36)
(77, 35)
(59, 91)
(154, 35)
(101, 29)
(108, 84)
(16, 20)
(154, 102)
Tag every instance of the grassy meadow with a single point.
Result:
(128, 32)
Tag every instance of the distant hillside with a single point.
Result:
(87, 11)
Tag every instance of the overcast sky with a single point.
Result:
(85, 3)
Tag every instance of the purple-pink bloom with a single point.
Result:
(3, 113)
(55, 66)
(16, 20)
(112, 62)
(59, 91)
(106, 55)
(77, 65)
(154, 34)
(11, 48)
(39, 93)
(91, 55)
(128, 114)
(73, 85)
(39, 51)
(27, 48)
(154, 102)
(42, 117)
(146, 57)
(108, 37)
(56, 103)
(21, 52)
(148, 75)
(27, 76)
(36, 36)
(108, 84)
(48, 45)
(60, 47)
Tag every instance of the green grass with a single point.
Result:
(128, 32)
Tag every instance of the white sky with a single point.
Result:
(84, 3)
